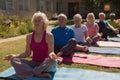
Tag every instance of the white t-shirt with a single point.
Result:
(79, 33)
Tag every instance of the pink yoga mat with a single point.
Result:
(108, 44)
(93, 59)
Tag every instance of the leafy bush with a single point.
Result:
(3, 34)
(12, 32)
(23, 30)
(13, 26)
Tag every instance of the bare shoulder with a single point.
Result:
(28, 37)
(49, 37)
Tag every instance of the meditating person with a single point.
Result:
(93, 29)
(41, 44)
(104, 27)
(114, 22)
(81, 31)
(64, 39)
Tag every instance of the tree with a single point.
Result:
(116, 4)
(97, 4)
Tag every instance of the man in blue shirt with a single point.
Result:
(64, 38)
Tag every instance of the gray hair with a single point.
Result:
(101, 13)
(112, 14)
(77, 16)
(62, 15)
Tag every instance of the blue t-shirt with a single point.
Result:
(62, 35)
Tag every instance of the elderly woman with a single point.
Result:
(93, 29)
(41, 44)
(80, 30)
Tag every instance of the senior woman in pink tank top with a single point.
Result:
(41, 44)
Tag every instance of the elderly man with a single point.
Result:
(64, 41)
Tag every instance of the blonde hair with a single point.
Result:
(62, 15)
(90, 15)
(40, 15)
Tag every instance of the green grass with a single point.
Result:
(12, 47)
(18, 46)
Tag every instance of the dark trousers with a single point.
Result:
(67, 49)
(94, 40)
(108, 31)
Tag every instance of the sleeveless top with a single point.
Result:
(40, 49)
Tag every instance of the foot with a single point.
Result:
(59, 62)
(85, 49)
(45, 75)
(101, 39)
(95, 44)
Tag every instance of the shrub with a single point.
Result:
(29, 25)
(13, 26)
(22, 30)
(3, 34)
(13, 32)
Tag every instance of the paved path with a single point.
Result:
(12, 38)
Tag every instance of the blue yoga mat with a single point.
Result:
(114, 39)
(105, 50)
(10, 73)
(70, 74)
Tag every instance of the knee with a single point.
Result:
(14, 60)
(72, 41)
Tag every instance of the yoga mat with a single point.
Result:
(81, 74)
(10, 73)
(108, 44)
(118, 35)
(114, 39)
(72, 74)
(104, 50)
(98, 60)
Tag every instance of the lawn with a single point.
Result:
(18, 46)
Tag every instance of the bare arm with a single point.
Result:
(115, 30)
(88, 39)
(50, 41)
(22, 55)
(28, 50)
(86, 34)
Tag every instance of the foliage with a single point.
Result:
(116, 3)
(13, 26)
(98, 6)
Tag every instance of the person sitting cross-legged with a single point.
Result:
(93, 29)
(64, 39)
(41, 44)
(104, 27)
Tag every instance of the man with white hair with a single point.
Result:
(104, 27)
